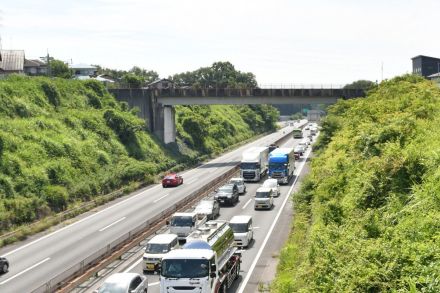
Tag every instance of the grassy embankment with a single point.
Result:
(65, 142)
(367, 218)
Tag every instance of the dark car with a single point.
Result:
(4, 265)
(172, 179)
(227, 194)
(210, 208)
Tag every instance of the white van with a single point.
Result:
(156, 248)
(183, 224)
(243, 230)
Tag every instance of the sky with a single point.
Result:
(282, 42)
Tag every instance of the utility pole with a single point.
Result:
(382, 71)
(49, 71)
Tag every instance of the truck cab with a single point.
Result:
(253, 165)
(282, 164)
(208, 262)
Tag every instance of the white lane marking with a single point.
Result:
(153, 284)
(114, 223)
(160, 198)
(246, 204)
(254, 263)
(256, 227)
(133, 265)
(26, 270)
(117, 204)
(80, 221)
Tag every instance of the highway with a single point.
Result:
(269, 233)
(34, 264)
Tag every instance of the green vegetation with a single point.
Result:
(66, 142)
(297, 116)
(218, 75)
(360, 84)
(367, 218)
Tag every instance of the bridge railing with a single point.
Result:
(256, 92)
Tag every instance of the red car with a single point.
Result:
(172, 179)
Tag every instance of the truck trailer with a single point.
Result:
(208, 262)
(282, 164)
(253, 164)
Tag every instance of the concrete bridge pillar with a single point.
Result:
(169, 124)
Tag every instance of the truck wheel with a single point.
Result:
(5, 268)
(237, 271)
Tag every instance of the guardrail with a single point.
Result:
(85, 268)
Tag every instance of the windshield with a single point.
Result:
(277, 166)
(225, 189)
(181, 221)
(239, 227)
(112, 288)
(248, 166)
(261, 194)
(185, 268)
(156, 248)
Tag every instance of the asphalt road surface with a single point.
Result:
(271, 229)
(34, 264)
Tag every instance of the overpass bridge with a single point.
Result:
(156, 105)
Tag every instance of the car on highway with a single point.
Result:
(273, 184)
(4, 265)
(227, 194)
(156, 248)
(313, 131)
(263, 198)
(304, 144)
(210, 208)
(124, 283)
(299, 149)
(240, 184)
(172, 179)
(243, 230)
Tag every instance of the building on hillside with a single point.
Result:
(81, 71)
(11, 61)
(425, 65)
(35, 67)
(161, 84)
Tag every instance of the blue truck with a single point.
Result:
(282, 164)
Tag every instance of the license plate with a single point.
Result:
(150, 266)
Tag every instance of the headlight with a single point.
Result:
(229, 196)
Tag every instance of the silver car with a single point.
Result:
(124, 283)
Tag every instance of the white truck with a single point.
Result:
(254, 163)
(208, 263)
(182, 224)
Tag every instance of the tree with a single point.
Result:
(360, 84)
(60, 69)
(219, 75)
(133, 80)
